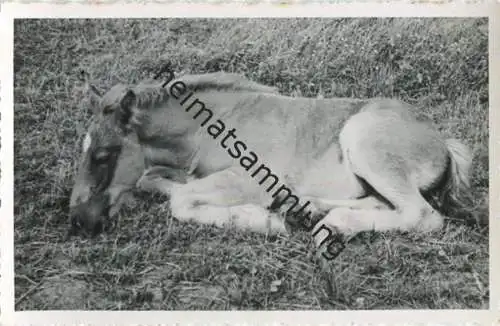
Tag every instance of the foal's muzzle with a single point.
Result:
(90, 216)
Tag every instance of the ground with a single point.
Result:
(151, 260)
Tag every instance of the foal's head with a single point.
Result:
(110, 165)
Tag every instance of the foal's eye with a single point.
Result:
(107, 110)
(101, 156)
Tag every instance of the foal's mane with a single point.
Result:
(223, 80)
(151, 93)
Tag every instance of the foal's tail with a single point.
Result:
(455, 191)
(461, 161)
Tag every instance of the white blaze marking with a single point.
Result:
(86, 143)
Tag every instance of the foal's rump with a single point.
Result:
(387, 133)
(394, 158)
(380, 132)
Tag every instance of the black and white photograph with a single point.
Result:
(270, 164)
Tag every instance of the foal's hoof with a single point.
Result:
(160, 179)
(167, 172)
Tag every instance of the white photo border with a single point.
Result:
(10, 11)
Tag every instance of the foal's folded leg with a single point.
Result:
(224, 198)
(249, 217)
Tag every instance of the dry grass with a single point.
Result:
(152, 261)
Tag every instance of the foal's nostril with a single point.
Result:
(74, 222)
(80, 219)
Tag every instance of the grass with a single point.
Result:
(152, 261)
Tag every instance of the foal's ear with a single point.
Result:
(125, 112)
(92, 91)
(95, 98)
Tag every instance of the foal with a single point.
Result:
(365, 163)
